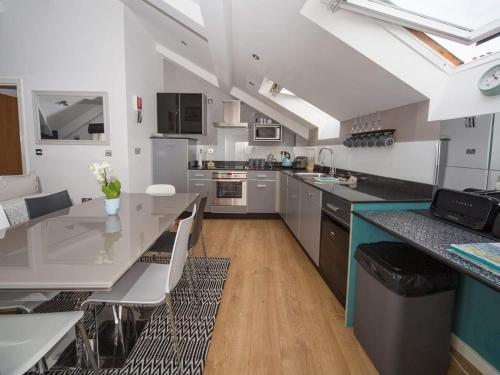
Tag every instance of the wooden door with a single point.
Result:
(10, 141)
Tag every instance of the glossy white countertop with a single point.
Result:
(82, 248)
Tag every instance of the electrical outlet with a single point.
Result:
(107, 153)
(86, 200)
(38, 152)
(137, 150)
(210, 150)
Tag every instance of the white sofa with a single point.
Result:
(13, 191)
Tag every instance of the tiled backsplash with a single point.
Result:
(413, 161)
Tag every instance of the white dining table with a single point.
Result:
(83, 248)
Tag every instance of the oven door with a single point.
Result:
(230, 192)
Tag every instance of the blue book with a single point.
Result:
(482, 254)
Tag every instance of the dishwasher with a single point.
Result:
(334, 248)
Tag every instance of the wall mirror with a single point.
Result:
(71, 117)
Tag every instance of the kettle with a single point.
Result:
(285, 161)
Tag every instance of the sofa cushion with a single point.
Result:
(12, 187)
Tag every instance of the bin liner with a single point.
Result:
(404, 269)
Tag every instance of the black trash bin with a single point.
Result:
(403, 309)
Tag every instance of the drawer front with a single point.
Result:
(200, 175)
(310, 195)
(201, 187)
(261, 175)
(261, 196)
(338, 207)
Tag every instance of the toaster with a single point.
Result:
(300, 162)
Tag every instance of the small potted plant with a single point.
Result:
(110, 186)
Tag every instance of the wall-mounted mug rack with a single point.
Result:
(372, 138)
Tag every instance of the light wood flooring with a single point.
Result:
(277, 315)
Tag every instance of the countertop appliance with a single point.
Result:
(334, 247)
(171, 157)
(300, 162)
(267, 132)
(230, 188)
(285, 161)
(471, 210)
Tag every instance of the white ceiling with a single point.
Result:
(170, 31)
(294, 52)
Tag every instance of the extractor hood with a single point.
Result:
(231, 119)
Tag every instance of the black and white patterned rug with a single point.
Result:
(154, 354)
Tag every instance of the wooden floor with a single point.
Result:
(277, 316)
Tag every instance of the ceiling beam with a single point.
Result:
(187, 64)
(271, 112)
(217, 16)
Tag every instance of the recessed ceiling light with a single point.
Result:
(251, 83)
(183, 42)
(255, 57)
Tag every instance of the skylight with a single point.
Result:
(328, 127)
(190, 8)
(463, 21)
(469, 53)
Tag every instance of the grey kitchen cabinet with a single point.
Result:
(195, 174)
(283, 193)
(293, 208)
(310, 221)
(261, 196)
(201, 182)
(261, 175)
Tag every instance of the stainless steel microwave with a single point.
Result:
(267, 132)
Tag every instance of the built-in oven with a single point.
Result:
(230, 188)
(267, 132)
(334, 248)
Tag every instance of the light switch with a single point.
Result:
(107, 153)
(137, 150)
(38, 152)
(210, 150)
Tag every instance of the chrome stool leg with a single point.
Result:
(88, 348)
(175, 337)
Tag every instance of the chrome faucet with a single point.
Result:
(332, 169)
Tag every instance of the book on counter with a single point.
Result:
(483, 254)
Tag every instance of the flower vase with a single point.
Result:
(112, 205)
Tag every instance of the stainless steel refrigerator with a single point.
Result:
(171, 157)
(468, 152)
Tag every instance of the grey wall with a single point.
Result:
(177, 79)
(410, 122)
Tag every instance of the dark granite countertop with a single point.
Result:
(433, 237)
(374, 190)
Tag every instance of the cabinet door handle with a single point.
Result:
(199, 184)
(261, 175)
(332, 234)
(200, 175)
(261, 185)
(310, 195)
(332, 207)
(293, 196)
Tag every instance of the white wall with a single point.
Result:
(74, 45)
(144, 75)
(412, 161)
(461, 97)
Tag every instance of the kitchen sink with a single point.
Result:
(311, 175)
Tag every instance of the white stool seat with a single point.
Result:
(26, 338)
(27, 301)
(160, 189)
(143, 284)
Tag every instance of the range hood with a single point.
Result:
(231, 119)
